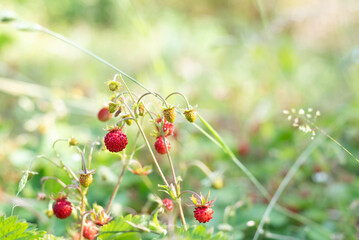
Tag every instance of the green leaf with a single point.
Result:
(11, 229)
(199, 233)
(23, 181)
(155, 226)
(314, 233)
(122, 228)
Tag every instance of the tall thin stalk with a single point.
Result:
(299, 162)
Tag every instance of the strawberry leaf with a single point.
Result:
(11, 229)
(199, 232)
(122, 228)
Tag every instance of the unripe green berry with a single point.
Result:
(86, 179)
(49, 213)
(128, 121)
(112, 107)
(190, 115)
(113, 85)
(170, 114)
(217, 183)
(141, 109)
(73, 142)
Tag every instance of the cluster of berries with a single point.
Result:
(62, 209)
(169, 116)
(116, 140)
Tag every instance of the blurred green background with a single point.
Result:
(242, 62)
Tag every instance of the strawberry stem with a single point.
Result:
(181, 94)
(83, 160)
(91, 152)
(62, 165)
(156, 95)
(148, 146)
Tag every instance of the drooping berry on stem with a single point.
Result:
(160, 145)
(168, 204)
(168, 129)
(170, 114)
(62, 208)
(90, 230)
(104, 115)
(190, 115)
(203, 211)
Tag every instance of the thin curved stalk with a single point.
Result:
(179, 202)
(156, 95)
(148, 146)
(227, 150)
(68, 41)
(256, 183)
(184, 97)
(114, 192)
(299, 162)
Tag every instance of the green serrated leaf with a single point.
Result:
(12, 229)
(199, 233)
(121, 226)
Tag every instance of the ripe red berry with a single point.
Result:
(90, 230)
(104, 115)
(168, 203)
(160, 145)
(62, 208)
(203, 214)
(168, 129)
(115, 140)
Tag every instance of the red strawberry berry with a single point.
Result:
(104, 115)
(115, 140)
(62, 208)
(168, 129)
(203, 214)
(90, 230)
(160, 145)
(203, 211)
(168, 203)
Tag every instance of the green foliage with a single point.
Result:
(12, 229)
(199, 233)
(127, 227)
(219, 55)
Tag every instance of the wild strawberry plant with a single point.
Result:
(124, 110)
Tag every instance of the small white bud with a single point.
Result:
(251, 223)
(285, 112)
(301, 111)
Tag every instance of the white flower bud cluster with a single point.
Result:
(303, 119)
